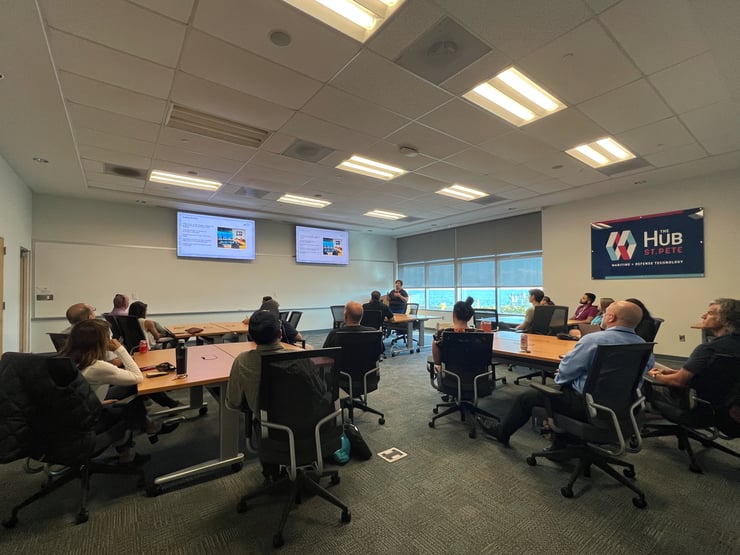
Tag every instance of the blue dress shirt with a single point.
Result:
(575, 365)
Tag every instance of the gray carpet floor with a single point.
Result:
(450, 494)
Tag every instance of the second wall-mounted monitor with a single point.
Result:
(206, 236)
(314, 245)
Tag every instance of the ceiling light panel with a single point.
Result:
(600, 153)
(166, 178)
(385, 215)
(304, 201)
(511, 95)
(370, 168)
(358, 19)
(461, 192)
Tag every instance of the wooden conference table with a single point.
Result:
(545, 351)
(208, 365)
(210, 329)
(410, 320)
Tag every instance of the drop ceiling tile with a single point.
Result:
(567, 169)
(516, 32)
(633, 105)
(582, 64)
(548, 186)
(325, 133)
(600, 5)
(336, 106)
(636, 24)
(272, 160)
(315, 50)
(181, 155)
(176, 9)
(452, 174)
(420, 182)
(476, 73)
(484, 163)
(82, 90)
(427, 141)
(662, 135)
(205, 145)
(227, 103)
(412, 20)
(130, 186)
(183, 168)
(90, 137)
(116, 157)
(254, 173)
(676, 155)
(700, 70)
(368, 76)
(565, 129)
(119, 25)
(218, 61)
(113, 124)
(175, 192)
(716, 126)
(388, 152)
(516, 146)
(466, 122)
(98, 62)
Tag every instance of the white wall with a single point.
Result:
(15, 228)
(566, 244)
(86, 225)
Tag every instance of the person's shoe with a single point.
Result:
(492, 430)
(165, 428)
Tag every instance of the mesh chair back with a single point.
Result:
(613, 381)
(337, 314)
(283, 314)
(113, 323)
(360, 352)
(58, 339)
(488, 314)
(467, 354)
(372, 319)
(412, 308)
(297, 389)
(131, 332)
(549, 320)
(295, 317)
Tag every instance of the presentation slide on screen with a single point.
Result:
(321, 246)
(204, 236)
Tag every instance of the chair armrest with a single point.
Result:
(546, 389)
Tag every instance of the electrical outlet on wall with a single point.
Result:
(682, 338)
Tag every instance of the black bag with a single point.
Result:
(358, 446)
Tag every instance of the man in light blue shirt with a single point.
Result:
(619, 322)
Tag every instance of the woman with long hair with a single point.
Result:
(462, 313)
(646, 327)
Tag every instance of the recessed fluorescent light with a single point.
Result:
(370, 168)
(304, 201)
(385, 215)
(358, 19)
(514, 97)
(602, 152)
(461, 192)
(183, 180)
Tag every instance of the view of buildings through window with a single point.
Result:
(500, 282)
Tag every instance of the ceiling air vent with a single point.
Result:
(250, 192)
(409, 219)
(490, 199)
(307, 151)
(215, 127)
(124, 171)
(626, 166)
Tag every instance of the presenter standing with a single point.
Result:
(397, 298)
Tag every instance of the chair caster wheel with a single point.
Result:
(532, 461)
(566, 491)
(277, 540)
(629, 472)
(381, 420)
(242, 506)
(393, 355)
(346, 516)
(639, 502)
(82, 517)
(431, 424)
(435, 410)
(203, 411)
(154, 490)
(503, 381)
(695, 468)
(236, 467)
(472, 434)
(10, 522)
(335, 480)
(418, 350)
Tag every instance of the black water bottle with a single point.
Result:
(181, 358)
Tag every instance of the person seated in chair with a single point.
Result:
(288, 331)
(87, 344)
(646, 327)
(120, 305)
(620, 320)
(376, 304)
(352, 316)
(535, 298)
(80, 312)
(462, 314)
(586, 310)
(154, 330)
(722, 317)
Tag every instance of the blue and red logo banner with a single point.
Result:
(664, 245)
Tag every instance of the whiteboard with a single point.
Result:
(92, 273)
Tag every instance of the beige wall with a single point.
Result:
(15, 228)
(566, 244)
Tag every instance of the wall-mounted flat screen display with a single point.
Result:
(321, 246)
(207, 236)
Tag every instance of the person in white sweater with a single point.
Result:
(88, 342)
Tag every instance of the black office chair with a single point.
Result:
(295, 317)
(358, 364)
(702, 412)
(133, 334)
(372, 319)
(401, 331)
(546, 320)
(611, 399)
(55, 417)
(467, 375)
(300, 425)
(648, 328)
(283, 314)
(59, 340)
(337, 314)
(488, 314)
(113, 323)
